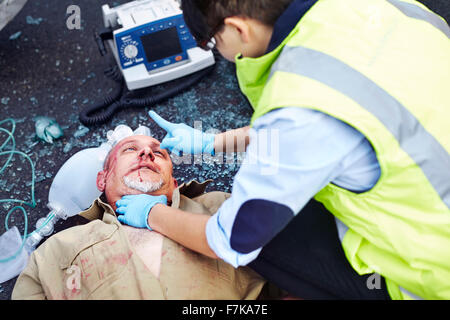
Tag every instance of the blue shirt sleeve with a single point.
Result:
(293, 153)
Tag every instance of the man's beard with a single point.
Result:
(143, 186)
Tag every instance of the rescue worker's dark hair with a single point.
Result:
(204, 17)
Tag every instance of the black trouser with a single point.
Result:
(306, 259)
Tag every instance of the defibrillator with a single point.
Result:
(151, 42)
(151, 45)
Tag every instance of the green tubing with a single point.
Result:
(32, 204)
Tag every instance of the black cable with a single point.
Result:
(93, 115)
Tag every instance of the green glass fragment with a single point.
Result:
(48, 129)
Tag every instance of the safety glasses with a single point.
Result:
(210, 42)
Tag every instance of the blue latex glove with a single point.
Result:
(133, 210)
(182, 138)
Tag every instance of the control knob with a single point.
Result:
(130, 51)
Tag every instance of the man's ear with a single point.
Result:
(175, 183)
(241, 25)
(101, 181)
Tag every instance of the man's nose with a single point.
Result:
(147, 152)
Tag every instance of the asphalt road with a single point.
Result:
(48, 70)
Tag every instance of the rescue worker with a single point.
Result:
(357, 92)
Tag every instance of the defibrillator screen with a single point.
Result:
(161, 44)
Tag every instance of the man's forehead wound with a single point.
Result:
(111, 153)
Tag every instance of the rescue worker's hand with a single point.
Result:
(182, 138)
(133, 210)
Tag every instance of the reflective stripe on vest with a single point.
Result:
(413, 138)
(416, 12)
(410, 295)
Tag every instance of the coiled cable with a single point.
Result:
(102, 112)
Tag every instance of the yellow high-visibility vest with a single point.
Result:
(383, 67)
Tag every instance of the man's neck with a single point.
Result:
(111, 200)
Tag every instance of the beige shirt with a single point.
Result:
(105, 260)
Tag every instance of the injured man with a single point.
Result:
(104, 259)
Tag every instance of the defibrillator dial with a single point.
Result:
(129, 50)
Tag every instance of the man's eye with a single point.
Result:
(130, 149)
(158, 152)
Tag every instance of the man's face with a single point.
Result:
(137, 165)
